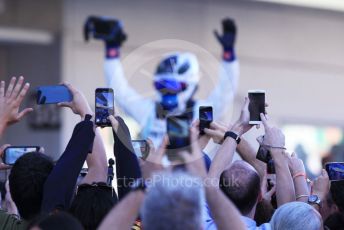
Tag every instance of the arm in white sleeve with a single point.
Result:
(223, 94)
(126, 97)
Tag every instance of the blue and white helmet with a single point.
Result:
(176, 79)
(176, 72)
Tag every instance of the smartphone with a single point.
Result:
(141, 148)
(263, 154)
(335, 170)
(53, 94)
(178, 131)
(205, 117)
(12, 153)
(104, 106)
(256, 106)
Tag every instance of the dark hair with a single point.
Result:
(57, 221)
(264, 212)
(26, 182)
(337, 193)
(335, 221)
(241, 185)
(92, 203)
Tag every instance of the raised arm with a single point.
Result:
(59, 186)
(224, 213)
(248, 154)
(96, 162)
(298, 172)
(224, 156)
(274, 139)
(127, 165)
(223, 94)
(10, 101)
(124, 214)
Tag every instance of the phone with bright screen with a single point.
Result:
(256, 106)
(12, 153)
(53, 94)
(104, 106)
(335, 170)
(205, 117)
(178, 131)
(141, 148)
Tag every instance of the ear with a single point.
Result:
(260, 196)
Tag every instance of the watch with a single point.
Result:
(232, 135)
(314, 199)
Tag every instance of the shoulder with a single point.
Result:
(9, 221)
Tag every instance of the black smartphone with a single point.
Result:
(12, 153)
(178, 132)
(263, 154)
(335, 170)
(141, 148)
(104, 106)
(256, 106)
(53, 94)
(205, 117)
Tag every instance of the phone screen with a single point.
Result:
(104, 106)
(53, 94)
(335, 170)
(13, 153)
(178, 131)
(256, 106)
(205, 117)
(140, 148)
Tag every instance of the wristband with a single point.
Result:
(232, 135)
(299, 174)
(274, 147)
(300, 196)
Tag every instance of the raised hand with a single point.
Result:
(79, 105)
(10, 101)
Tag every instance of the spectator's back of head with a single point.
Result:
(296, 216)
(174, 201)
(57, 221)
(241, 183)
(26, 181)
(335, 221)
(337, 193)
(92, 203)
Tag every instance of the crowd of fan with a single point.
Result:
(188, 194)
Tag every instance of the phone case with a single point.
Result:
(53, 94)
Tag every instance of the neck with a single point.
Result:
(251, 213)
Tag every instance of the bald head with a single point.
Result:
(241, 183)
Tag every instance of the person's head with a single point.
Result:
(26, 181)
(174, 201)
(176, 79)
(241, 184)
(297, 216)
(335, 221)
(337, 193)
(56, 221)
(92, 203)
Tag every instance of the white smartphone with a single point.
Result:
(256, 106)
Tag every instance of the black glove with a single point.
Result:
(108, 30)
(227, 40)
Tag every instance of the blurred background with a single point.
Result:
(294, 49)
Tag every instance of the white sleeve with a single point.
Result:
(126, 97)
(221, 98)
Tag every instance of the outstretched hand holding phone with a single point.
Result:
(79, 104)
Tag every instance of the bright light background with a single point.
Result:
(337, 5)
(312, 143)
